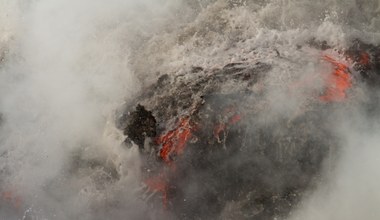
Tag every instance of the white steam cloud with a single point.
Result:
(64, 70)
(350, 188)
(66, 65)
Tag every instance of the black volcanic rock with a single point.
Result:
(140, 124)
(234, 159)
(240, 161)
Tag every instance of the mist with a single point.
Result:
(67, 67)
(349, 187)
(64, 70)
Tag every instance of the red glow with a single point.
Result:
(234, 119)
(174, 142)
(364, 58)
(337, 83)
(223, 126)
(159, 183)
(11, 198)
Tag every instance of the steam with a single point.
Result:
(251, 31)
(65, 68)
(349, 189)
(67, 65)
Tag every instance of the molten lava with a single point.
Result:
(174, 142)
(337, 83)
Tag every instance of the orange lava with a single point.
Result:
(174, 142)
(337, 83)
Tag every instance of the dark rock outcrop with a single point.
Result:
(233, 156)
(141, 124)
(218, 150)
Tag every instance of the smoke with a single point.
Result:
(64, 69)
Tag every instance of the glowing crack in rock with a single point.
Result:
(174, 142)
(337, 82)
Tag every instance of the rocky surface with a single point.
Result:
(236, 163)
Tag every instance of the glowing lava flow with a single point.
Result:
(337, 83)
(174, 142)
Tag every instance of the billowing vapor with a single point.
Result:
(349, 189)
(64, 70)
(67, 67)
